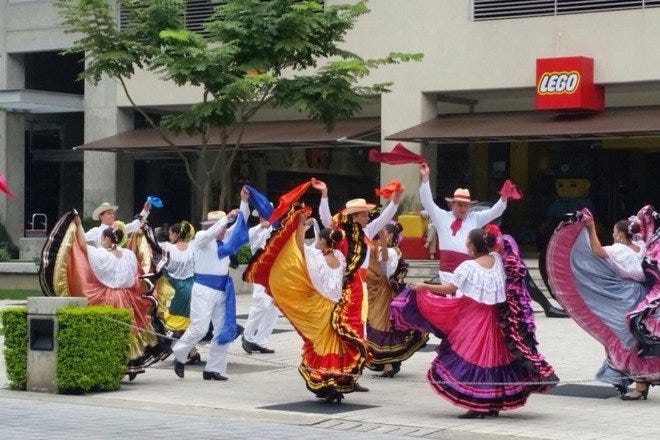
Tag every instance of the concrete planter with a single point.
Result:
(19, 275)
(240, 286)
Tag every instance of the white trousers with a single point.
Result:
(261, 318)
(206, 305)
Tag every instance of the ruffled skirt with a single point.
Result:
(334, 351)
(387, 345)
(599, 300)
(474, 369)
(65, 271)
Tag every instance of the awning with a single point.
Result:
(39, 101)
(259, 135)
(535, 125)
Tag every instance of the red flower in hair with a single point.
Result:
(493, 229)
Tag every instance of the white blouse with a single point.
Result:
(389, 267)
(483, 285)
(626, 262)
(181, 264)
(113, 272)
(326, 280)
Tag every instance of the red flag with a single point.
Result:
(4, 188)
(510, 191)
(398, 156)
(389, 189)
(288, 199)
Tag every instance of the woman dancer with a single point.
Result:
(179, 273)
(107, 275)
(488, 352)
(309, 287)
(388, 347)
(599, 286)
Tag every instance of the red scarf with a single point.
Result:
(455, 226)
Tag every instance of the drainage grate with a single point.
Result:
(318, 407)
(588, 391)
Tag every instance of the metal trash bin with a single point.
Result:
(42, 340)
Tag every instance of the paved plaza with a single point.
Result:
(265, 398)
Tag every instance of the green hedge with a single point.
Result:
(14, 323)
(93, 348)
(92, 343)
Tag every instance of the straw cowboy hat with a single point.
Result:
(214, 216)
(103, 207)
(357, 205)
(461, 195)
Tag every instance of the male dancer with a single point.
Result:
(212, 297)
(105, 213)
(263, 313)
(453, 226)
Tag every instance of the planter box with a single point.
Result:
(240, 286)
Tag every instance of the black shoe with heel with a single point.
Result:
(643, 394)
(195, 359)
(473, 415)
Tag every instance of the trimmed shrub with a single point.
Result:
(243, 254)
(93, 348)
(15, 327)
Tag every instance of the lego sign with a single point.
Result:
(567, 84)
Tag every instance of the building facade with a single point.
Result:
(478, 77)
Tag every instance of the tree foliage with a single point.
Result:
(250, 54)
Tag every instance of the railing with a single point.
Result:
(197, 12)
(501, 9)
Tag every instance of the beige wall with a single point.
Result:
(34, 26)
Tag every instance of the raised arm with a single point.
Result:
(596, 247)
(426, 198)
(244, 208)
(204, 237)
(303, 223)
(82, 238)
(488, 215)
(324, 207)
(135, 224)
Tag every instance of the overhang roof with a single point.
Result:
(39, 101)
(257, 135)
(619, 122)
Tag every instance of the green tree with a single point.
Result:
(250, 54)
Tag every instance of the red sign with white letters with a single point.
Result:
(567, 84)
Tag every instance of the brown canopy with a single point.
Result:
(256, 135)
(535, 125)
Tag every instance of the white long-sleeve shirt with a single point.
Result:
(442, 220)
(205, 249)
(94, 235)
(258, 236)
(370, 230)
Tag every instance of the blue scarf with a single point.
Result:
(238, 238)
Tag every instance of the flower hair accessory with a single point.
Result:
(492, 229)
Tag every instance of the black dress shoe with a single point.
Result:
(360, 389)
(212, 375)
(473, 415)
(554, 312)
(179, 368)
(261, 349)
(239, 331)
(247, 346)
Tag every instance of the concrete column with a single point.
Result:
(479, 170)
(12, 144)
(403, 109)
(107, 177)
